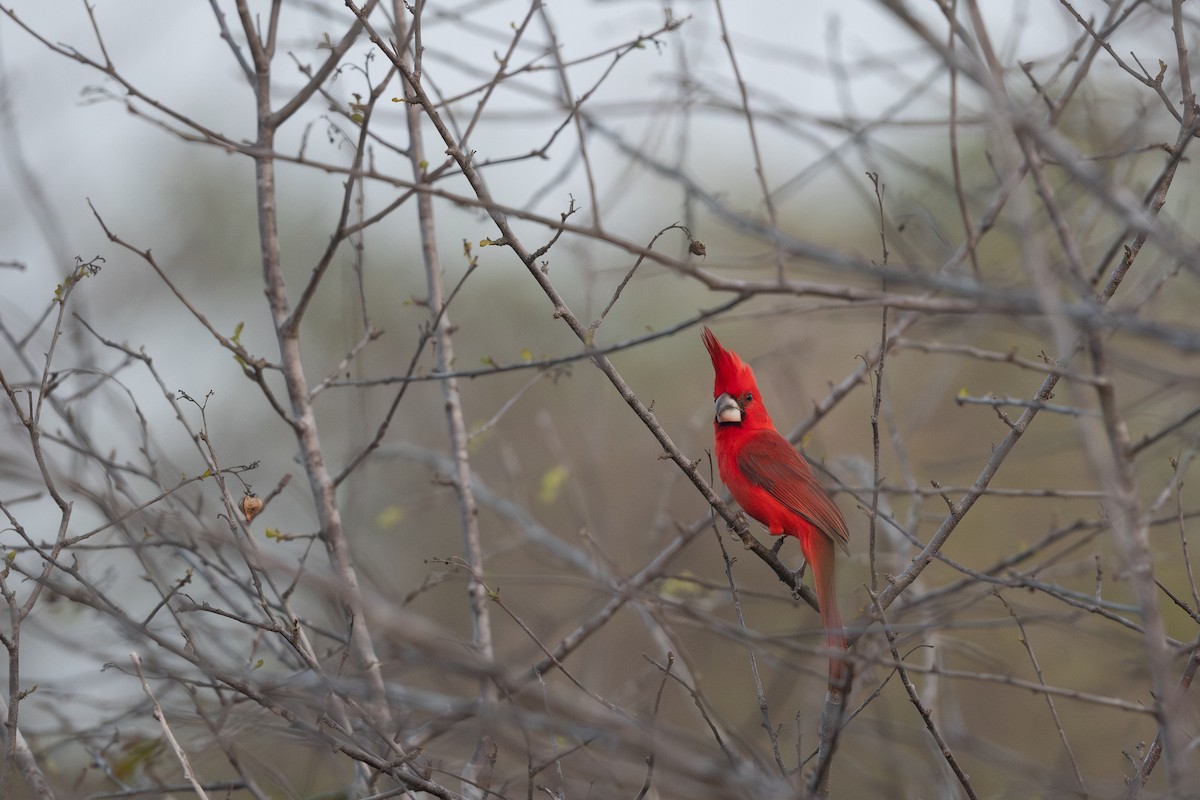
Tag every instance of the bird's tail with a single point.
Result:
(831, 620)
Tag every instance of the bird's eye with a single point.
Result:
(747, 399)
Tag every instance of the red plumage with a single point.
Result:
(775, 485)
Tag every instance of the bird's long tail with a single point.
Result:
(821, 558)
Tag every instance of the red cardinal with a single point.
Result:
(775, 485)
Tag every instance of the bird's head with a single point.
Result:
(734, 389)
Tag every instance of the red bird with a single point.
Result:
(775, 485)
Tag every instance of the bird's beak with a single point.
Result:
(728, 410)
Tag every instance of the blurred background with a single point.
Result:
(987, 244)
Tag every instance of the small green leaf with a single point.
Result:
(526, 354)
(136, 754)
(681, 588)
(389, 517)
(551, 484)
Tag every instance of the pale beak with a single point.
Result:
(728, 410)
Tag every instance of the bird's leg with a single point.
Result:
(740, 522)
(803, 568)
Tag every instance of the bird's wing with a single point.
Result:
(770, 462)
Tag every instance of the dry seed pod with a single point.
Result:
(251, 505)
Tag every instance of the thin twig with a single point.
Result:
(182, 756)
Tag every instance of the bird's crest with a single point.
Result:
(733, 375)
